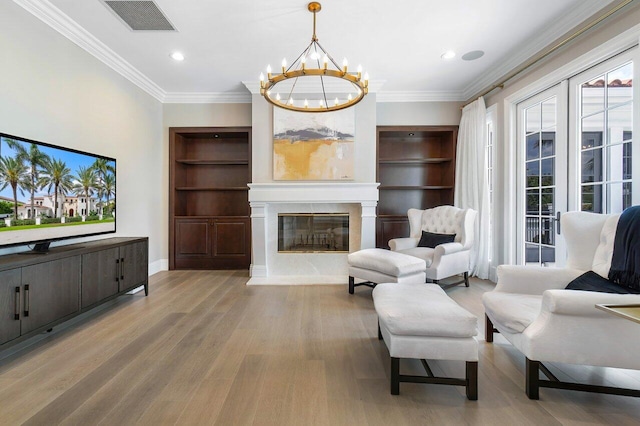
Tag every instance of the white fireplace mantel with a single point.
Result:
(308, 268)
(313, 192)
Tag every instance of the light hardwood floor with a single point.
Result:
(203, 348)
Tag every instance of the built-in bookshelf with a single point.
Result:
(416, 169)
(209, 215)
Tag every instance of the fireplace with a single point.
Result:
(313, 232)
(334, 206)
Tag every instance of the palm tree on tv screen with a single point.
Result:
(57, 175)
(14, 173)
(35, 159)
(102, 168)
(109, 188)
(85, 183)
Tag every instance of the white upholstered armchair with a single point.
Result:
(533, 311)
(448, 259)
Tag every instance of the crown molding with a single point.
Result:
(207, 98)
(547, 35)
(56, 19)
(426, 96)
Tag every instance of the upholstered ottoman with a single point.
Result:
(420, 321)
(384, 266)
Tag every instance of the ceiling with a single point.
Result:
(400, 43)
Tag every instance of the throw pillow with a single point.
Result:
(431, 239)
(590, 281)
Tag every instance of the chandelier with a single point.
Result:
(314, 82)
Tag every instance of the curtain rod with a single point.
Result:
(540, 56)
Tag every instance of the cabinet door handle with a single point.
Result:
(117, 270)
(122, 268)
(16, 309)
(26, 300)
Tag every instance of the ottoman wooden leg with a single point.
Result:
(351, 284)
(395, 376)
(472, 380)
(466, 279)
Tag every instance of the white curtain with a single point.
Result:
(472, 184)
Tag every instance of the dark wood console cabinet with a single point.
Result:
(39, 291)
(209, 220)
(416, 169)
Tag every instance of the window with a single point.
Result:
(606, 129)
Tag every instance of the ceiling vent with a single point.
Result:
(140, 15)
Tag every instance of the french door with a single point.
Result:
(601, 130)
(542, 177)
(575, 145)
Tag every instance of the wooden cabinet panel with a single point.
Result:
(388, 228)
(192, 238)
(100, 275)
(9, 324)
(53, 292)
(227, 239)
(230, 238)
(134, 264)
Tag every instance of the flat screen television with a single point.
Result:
(50, 193)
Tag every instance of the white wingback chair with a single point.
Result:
(531, 309)
(446, 259)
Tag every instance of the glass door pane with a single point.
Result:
(542, 147)
(603, 117)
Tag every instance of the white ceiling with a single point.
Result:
(398, 42)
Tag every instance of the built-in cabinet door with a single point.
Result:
(213, 243)
(192, 238)
(10, 305)
(231, 243)
(51, 291)
(134, 261)
(100, 275)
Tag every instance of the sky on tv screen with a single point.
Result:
(73, 161)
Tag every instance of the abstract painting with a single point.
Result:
(313, 146)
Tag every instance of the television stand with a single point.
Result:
(41, 248)
(38, 248)
(39, 292)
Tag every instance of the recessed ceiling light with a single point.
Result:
(473, 55)
(449, 54)
(177, 56)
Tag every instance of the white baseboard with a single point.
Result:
(258, 271)
(158, 265)
(299, 280)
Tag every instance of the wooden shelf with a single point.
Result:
(416, 169)
(410, 187)
(214, 162)
(211, 188)
(416, 161)
(209, 213)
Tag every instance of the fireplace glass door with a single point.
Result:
(313, 232)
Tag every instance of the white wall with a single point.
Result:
(53, 91)
(419, 113)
